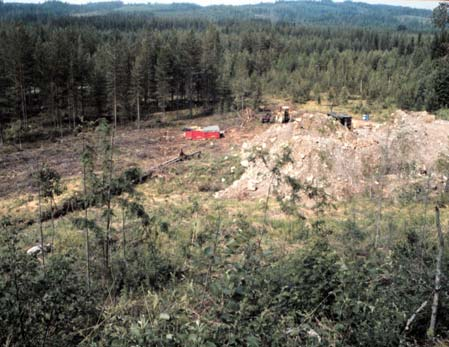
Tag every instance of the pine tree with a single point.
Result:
(139, 76)
(210, 61)
(20, 51)
(106, 151)
(241, 81)
(114, 58)
(164, 76)
(190, 62)
(441, 86)
(440, 16)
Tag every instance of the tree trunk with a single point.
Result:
(52, 210)
(378, 220)
(265, 217)
(23, 97)
(426, 207)
(190, 96)
(109, 215)
(60, 121)
(438, 274)
(138, 110)
(115, 102)
(74, 109)
(124, 234)
(446, 186)
(86, 228)
(41, 230)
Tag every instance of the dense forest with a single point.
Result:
(121, 261)
(124, 65)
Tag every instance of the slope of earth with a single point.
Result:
(343, 162)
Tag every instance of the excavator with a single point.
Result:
(281, 116)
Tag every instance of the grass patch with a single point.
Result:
(442, 114)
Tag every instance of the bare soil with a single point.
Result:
(144, 148)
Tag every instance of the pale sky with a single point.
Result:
(410, 3)
(428, 4)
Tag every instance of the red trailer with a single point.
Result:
(203, 134)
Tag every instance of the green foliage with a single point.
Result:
(145, 268)
(440, 16)
(443, 114)
(231, 289)
(309, 297)
(40, 307)
(440, 96)
(49, 182)
(14, 133)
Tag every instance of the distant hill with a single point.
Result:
(302, 12)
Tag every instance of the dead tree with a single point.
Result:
(438, 274)
(413, 316)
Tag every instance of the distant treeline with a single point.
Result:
(323, 12)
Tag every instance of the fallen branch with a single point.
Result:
(413, 316)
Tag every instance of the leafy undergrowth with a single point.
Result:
(234, 291)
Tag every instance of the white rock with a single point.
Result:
(34, 250)
(313, 333)
(244, 163)
(252, 186)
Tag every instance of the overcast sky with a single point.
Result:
(429, 4)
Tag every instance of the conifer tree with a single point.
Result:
(164, 76)
(139, 77)
(190, 62)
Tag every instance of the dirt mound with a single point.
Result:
(342, 162)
